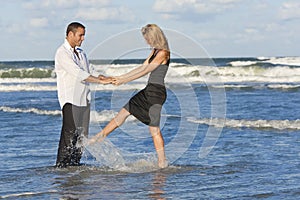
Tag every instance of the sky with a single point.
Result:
(34, 29)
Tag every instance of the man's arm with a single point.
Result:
(100, 79)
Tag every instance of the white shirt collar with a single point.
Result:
(67, 45)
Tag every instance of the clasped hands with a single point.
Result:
(110, 80)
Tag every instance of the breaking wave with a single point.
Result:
(274, 73)
(27, 73)
(29, 110)
(252, 124)
(106, 115)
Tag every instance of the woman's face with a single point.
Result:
(147, 39)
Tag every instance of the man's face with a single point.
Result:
(75, 39)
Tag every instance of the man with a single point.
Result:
(73, 77)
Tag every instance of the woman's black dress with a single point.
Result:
(146, 104)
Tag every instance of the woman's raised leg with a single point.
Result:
(117, 121)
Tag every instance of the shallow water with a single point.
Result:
(256, 155)
(245, 163)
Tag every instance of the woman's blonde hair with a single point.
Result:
(155, 36)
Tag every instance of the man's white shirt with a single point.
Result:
(71, 73)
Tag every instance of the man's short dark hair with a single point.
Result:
(73, 27)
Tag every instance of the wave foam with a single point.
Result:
(26, 87)
(27, 73)
(27, 194)
(256, 124)
(30, 110)
(242, 63)
(106, 115)
(285, 61)
(295, 61)
(284, 70)
(27, 80)
(258, 86)
(102, 116)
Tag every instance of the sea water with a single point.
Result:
(231, 132)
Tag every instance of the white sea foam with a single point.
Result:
(288, 61)
(29, 110)
(130, 86)
(26, 73)
(26, 87)
(242, 63)
(295, 61)
(244, 123)
(102, 116)
(286, 71)
(24, 194)
(283, 86)
(27, 80)
(279, 86)
(106, 115)
(96, 116)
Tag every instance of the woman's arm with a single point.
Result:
(161, 58)
(138, 69)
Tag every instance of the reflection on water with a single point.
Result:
(158, 184)
(87, 182)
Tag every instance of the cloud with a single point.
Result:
(92, 10)
(62, 4)
(117, 14)
(180, 8)
(38, 22)
(96, 3)
(14, 28)
(290, 10)
(211, 36)
(272, 27)
(50, 4)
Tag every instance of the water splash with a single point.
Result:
(107, 154)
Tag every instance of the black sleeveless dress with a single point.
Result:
(146, 104)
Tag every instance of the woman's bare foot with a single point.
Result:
(97, 138)
(162, 163)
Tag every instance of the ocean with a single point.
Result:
(231, 128)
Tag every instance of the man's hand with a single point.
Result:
(104, 79)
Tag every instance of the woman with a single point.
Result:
(146, 105)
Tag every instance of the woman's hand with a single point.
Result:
(118, 80)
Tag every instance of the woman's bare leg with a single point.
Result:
(159, 146)
(117, 121)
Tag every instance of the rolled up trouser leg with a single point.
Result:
(65, 149)
(66, 138)
(75, 126)
(81, 118)
(77, 146)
